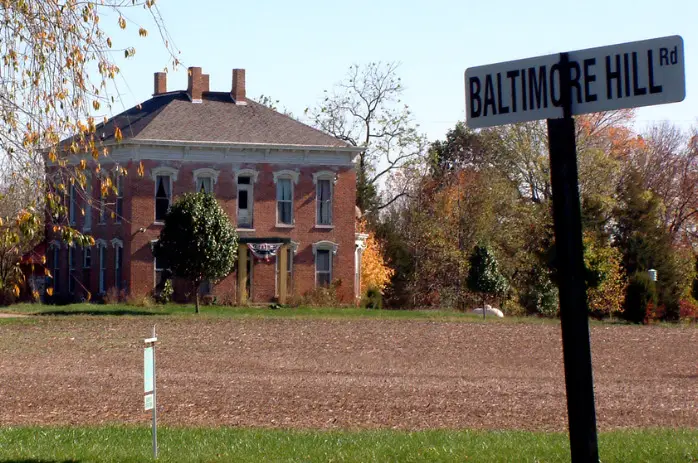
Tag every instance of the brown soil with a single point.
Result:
(345, 374)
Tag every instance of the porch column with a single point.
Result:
(242, 273)
(283, 274)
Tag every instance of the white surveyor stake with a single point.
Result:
(149, 386)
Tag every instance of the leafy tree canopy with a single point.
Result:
(198, 242)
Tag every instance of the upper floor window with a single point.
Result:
(102, 203)
(164, 178)
(324, 185)
(102, 250)
(284, 195)
(205, 179)
(87, 258)
(245, 180)
(119, 206)
(73, 206)
(87, 226)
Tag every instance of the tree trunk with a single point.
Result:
(484, 312)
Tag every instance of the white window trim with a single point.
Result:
(332, 177)
(325, 175)
(293, 177)
(102, 216)
(164, 170)
(72, 205)
(286, 173)
(102, 261)
(87, 220)
(84, 253)
(325, 246)
(155, 268)
(253, 174)
(206, 172)
(117, 243)
(250, 196)
(117, 218)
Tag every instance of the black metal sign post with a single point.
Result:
(576, 345)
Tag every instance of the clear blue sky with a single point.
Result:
(294, 50)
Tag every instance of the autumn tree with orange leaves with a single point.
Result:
(375, 271)
(58, 79)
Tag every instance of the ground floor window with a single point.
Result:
(55, 267)
(71, 269)
(102, 267)
(323, 267)
(118, 264)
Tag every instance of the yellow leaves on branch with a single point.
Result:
(118, 135)
(122, 22)
(142, 32)
(49, 291)
(141, 169)
(375, 271)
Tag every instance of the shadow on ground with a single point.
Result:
(114, 312)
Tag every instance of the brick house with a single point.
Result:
(286, 187)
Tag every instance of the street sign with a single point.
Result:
(629, 75)
(148, 370)
(148, 399)
(149, 386)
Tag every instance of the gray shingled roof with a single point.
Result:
(173, 117)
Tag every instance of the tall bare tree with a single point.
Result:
(365, 109)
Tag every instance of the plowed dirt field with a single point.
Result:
(327, 373)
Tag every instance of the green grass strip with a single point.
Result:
(184, 310)
(133, 444)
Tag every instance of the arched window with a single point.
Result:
(324, 256)
(205, 179)
(164, 178)
(285, 180)
(324, 191)
(102, 251)
(118, 246)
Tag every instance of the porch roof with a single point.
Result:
(259, 239)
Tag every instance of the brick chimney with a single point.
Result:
(204, 83)
(238, 91)
(195, 86)
(160, 85)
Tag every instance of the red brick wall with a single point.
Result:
(140, 208)
(137, 228)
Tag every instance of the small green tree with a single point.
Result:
(484, 276)
(198, 241)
